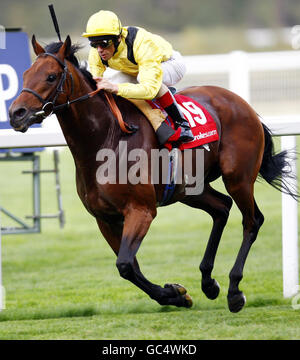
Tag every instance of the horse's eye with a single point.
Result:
(51, 78)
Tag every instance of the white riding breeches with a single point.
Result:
(173, 69)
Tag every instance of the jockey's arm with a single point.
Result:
(150, 81)
(148, 55)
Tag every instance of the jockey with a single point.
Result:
(147, 65)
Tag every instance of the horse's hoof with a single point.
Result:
(236, 302)
(188, 303)
(212, 290)
(180, 291)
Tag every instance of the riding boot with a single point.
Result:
(168, 102)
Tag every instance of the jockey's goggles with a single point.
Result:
(105, 43)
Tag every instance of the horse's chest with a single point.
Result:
(91, 196)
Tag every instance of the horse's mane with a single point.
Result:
(54, 47)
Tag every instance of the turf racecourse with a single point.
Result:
(63, 284)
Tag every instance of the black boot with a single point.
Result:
(180, 121)
(168, 102)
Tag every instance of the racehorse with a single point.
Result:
(124, 212)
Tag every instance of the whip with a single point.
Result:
(54, 19)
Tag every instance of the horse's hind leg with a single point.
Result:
(242, 193)
(218, 206)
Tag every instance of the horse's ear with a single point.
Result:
(64, 51)
(38, 49)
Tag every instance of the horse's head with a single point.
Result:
(43, 84)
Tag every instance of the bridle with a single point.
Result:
(50, 108)
(49, 103)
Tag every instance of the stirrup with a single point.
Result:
(172, 90)
(182, 123)
(186, 135)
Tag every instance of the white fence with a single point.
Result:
(268, 81)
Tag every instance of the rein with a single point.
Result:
(49, 105)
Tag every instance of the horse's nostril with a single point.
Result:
(19, 113)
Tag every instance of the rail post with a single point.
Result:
(290, 229)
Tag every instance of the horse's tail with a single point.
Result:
(275, 167)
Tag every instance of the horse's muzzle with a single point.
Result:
(22, 118)
(18, 116)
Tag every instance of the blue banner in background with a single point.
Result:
(14, 60)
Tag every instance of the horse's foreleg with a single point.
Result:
(112, 231)
(218, 206)
(136, 225)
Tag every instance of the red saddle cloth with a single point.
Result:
(201, 122)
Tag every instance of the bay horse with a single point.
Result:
(124, 212)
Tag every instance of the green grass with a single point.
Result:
(63, 284)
